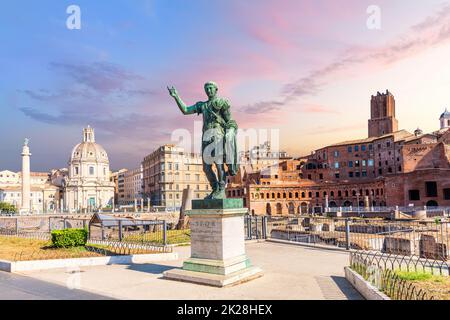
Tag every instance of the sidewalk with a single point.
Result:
(290, 272)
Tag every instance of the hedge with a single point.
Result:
(68, 238)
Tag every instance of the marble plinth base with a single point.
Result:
(217, 245)
(215, 280)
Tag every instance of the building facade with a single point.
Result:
(168, 171)
(44, 196)
(389, 168)
(132, 190)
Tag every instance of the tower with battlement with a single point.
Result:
(382, 115)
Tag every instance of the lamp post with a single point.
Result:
(357, 200)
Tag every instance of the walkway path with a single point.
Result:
(17, 287)
(290, 272)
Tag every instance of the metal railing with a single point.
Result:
(255, 227)
(382, 272)
(425, 239)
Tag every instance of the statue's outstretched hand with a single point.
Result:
(173, 92)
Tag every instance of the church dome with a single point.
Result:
(445, 115)
(89, 150)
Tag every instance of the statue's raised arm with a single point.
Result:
(183, 108)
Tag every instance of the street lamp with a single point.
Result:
(357, 200)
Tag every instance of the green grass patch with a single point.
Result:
(173, 237)
(414, 276)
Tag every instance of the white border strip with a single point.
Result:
(20, 266)
(366, 289)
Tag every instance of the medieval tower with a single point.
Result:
(382, 115)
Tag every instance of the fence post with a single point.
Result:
(347, 234)
(264, 225)
(249, 227)
(120, 230)
(17, 226)
(164, 232)
(256, 227)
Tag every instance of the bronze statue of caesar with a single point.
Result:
(218, 140)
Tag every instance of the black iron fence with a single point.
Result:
(381, 270)
(425, 239)
(255, 227)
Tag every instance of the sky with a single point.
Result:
(305, 68)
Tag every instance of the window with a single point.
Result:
(447, 194)
(370, 146)
(414, 195)
(357, 163)
(76, 171)
(177, 167)
(350, 164)
(388, 144)
(91, 171)
(357, 174)
(336, 165)
(356, 148)
(349, 149)
(321, 176)
(364, 173)
(350, 174)
(336, 154)
(370, 163)
(431, 188)
(363, 147)
(337, 175)
(364, 163)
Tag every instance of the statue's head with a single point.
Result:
(211, 89)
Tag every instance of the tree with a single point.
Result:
(7, 207)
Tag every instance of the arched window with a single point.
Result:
(279, 208)
(303, 195)
(291, 208)
(268, 209)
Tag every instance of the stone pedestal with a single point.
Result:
(217, 245)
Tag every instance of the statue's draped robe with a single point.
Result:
(219, 131)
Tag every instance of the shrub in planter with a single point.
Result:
(68, 238)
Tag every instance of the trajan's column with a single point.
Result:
(26, 177)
